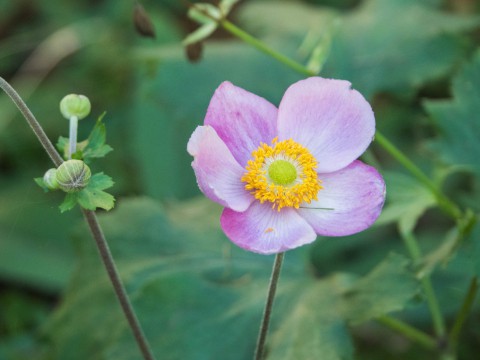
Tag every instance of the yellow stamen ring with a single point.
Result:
(277, 185)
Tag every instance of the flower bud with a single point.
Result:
(73, 175)
(142, 22)
(50, 179)
(75, 105)
(194, 51)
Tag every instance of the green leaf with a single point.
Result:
(69, 202)
(93, 196)
(457, 119)
(93, 147)
(387, 288)
(42, 184)
(96, 146)
(313, 327)
(381, 46)
(407, 201)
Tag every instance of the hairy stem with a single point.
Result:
(118, 286)
(93, 224)
(262, 335)
(72, 138)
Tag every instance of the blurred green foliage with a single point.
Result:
(197, 296)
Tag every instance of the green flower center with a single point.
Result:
(282, 172)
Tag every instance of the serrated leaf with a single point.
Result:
(387, 288)
(313, 328)
(95, 144)
(69, 202)
(93, 196)
(92, 199)
(93, 147)
(458, 119)
(393, 46)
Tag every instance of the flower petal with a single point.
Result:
(329, 118)
(218, 174)
(242, 120)
(356, 194)
(264, 230)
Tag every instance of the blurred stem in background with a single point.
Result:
(93, 224)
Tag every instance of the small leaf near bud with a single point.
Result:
(50, 179)
(73, 176)
(75, 105)
(194, 51)
(142, 22)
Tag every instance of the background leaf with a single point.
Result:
(458, 119)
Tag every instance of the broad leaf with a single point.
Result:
(407, 200)
(393, 46)
(387, 288)
(458, 120)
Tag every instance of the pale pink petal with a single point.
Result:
(330, 119)
(355, 196)
(242, 120)
(266, 231)
(218, 174)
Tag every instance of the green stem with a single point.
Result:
(416, 254)
(118, 286)
(442, 200)
(463, 312)
(93, 224)
(260, 45)
(262, 335)
(408, 331)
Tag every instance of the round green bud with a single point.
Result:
(73, 175)
(50, 179)
(75, 105)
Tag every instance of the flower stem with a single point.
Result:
(262, 335)
(442, 200)
(93, 224)
(118, 286)
(260, 45)
(416, 254)
(408, 331)
(72, 138)
(463, 312)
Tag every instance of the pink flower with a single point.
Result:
(289, 174)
